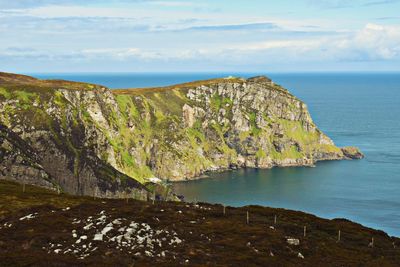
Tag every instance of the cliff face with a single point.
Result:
(91, 140)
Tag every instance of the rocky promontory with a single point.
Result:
(89, 140)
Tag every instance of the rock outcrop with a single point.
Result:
(352, 152)
(88, 139)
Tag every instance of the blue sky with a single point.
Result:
(199, 36)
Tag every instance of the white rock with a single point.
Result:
(117, 221)
(134, 225)
(119, 238)
(155, 180)
(28, 217)
(98, 237)
(102, 218)
(140, 239)
(300, 255)
(293, 241)
(175, 240)
(87, 227)
(106, 229)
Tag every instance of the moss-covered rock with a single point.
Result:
(80, 130)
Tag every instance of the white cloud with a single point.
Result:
(173, 31)
(41, 3)
(373, 42)
(349, 4)
(122, 53)
(303, 45)
(384, 40)
(176, 4)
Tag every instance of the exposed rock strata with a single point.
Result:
(88, 139)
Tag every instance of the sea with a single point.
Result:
(354, 109)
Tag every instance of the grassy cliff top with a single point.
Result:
(18, 81)
(28, 83)
(139, 91)
(12, 80)
(210, 82)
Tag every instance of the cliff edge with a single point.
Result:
(87, 139)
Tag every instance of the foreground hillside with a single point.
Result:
(88, 140)
(42, 228)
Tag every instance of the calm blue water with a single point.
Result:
(353, 109)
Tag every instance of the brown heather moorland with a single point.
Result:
(41, 228)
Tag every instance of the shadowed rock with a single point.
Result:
(87, 139)
(352, 152)
(259, 79)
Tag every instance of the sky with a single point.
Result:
(199, 36)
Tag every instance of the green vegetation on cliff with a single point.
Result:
(174, 133)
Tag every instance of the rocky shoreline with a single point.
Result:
(350, 153)
(85, 139)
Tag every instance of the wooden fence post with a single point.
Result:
(247, 217)
(305, 231)
(339, 236)
(371, 244)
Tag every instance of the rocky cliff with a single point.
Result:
(87, 139)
